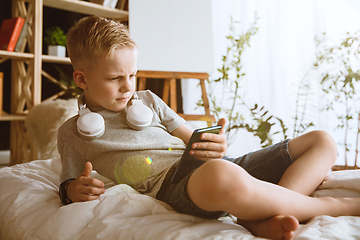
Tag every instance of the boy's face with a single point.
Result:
(112, 83)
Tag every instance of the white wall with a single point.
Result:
(173, 35)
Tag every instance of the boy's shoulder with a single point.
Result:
(68, 126)
(149, 98)
(146, 94)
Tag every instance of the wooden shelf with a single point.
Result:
(87, 8)
(53, 59)
(12, 117)
(28, 56)
(177, 75)
(16, 55)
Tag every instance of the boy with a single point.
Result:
(104, 60)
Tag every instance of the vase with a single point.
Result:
(57, 50)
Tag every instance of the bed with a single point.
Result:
(30, 209)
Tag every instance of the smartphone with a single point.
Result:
(187, 162)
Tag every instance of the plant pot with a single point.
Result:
(342, 167)
(57, 50)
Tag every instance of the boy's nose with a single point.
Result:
(127, 86)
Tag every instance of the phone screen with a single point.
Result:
(187, 162)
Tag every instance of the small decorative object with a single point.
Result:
(55, 38)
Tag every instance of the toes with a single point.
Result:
(289, 223)
(278, 227)
(288, 235)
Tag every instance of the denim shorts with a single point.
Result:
(267, 164)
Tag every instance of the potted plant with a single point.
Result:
(55, 38)
(341, 84)
(228, 100)
(253, 118)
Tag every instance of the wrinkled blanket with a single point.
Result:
(30, 209)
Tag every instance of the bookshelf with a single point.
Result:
(87, 8)
(26, 67)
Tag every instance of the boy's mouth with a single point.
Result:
(123, 99)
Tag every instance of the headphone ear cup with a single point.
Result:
(90, 125)
(138, 116)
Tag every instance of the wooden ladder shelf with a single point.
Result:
(169, 92)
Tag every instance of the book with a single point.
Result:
(113, 3)
(106, 3)
(21, 43)
(121, 4)
(9, 33)
(97, 1)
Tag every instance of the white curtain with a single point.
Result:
(281, 54)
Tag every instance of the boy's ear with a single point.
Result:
(79, 78)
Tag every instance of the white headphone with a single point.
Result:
(92, 125)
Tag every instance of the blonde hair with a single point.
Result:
(93, 38)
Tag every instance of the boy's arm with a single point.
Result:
(214, 149)
(183, 132)
(85, 188)
(77, 185)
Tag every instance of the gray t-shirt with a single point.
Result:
(140, 159)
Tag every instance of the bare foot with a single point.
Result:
(277, 228)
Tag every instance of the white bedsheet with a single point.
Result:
(30, 209)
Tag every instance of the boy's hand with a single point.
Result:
(85, 188)
(215, 148)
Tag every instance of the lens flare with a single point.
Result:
(148, 160)
(205, 119)
(135, 169)
(170, 149)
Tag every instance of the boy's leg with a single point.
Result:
(220, 185)
(313, 154)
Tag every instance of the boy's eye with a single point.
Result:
(120, 77)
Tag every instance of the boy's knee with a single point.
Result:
(216, 181)
(325, 140)
(323, 137)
